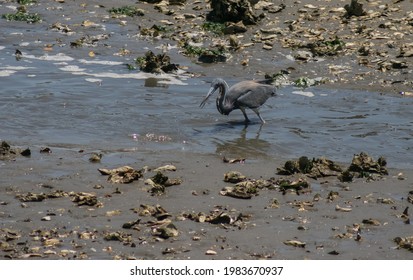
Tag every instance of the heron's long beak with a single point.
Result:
(210, 92)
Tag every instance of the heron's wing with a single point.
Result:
(250, 94)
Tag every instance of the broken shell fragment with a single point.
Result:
(295, 243)
(343, 209)
(167, 167)
(122, 175)
(83, 198)
(210, 253)
(236, 192)
(233, 160)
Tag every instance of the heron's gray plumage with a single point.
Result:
(245, 94)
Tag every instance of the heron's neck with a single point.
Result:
(223, 104)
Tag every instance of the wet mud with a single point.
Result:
(179, 205)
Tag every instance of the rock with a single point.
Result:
(152, 63)
(166, 231)
(222, 218)
(232, 11)
(234, 177)
(314, 168)
(167, 167)
(83, 198)
(363, 164)
(297, 186)
(405, 242)
(234, 28)
(354, 9)
(236, 192)
(295, 243)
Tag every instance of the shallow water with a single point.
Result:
(59, 100)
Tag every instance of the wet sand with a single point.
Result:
(58, 228)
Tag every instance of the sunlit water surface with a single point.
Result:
(58, 100)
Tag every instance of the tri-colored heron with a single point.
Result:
(242, 95)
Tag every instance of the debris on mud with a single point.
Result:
(168, 167)
(314, 168)
(95, 157)
(89, 40)
(233, 160)
(244, 192)
(83, 198)
(410, 197)
(36, 197)
(204, 54)
(371, 221)
(405, 242)
(23, 15)
(126, 11)
(354, 9)
(364, 166)
(234, 177)
(295, 243)
(121, 175)
(160, 181)
(6, 152)
(9, 153)
(361, 166)
(298, 187)
(123, 237)
(245, 189)
(219, 216)
(160, 63)
(156, 211)
(165, 230)
(233, 11)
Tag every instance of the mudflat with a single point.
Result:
(69, 202)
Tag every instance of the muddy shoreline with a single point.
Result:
(335, 220)
(55, 204)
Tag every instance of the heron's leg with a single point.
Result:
(258, 114)
(245, 114)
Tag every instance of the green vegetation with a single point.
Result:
(214, 27)
(327, 47)
(25, 2)
(127, 11)
(23, 16)
(305, 82)
(191, 50)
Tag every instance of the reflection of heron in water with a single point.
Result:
(245, 94)
(244, 147)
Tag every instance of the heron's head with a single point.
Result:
(215, 85)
